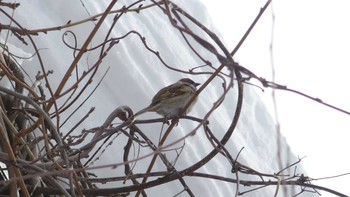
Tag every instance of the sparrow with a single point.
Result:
(170, 100)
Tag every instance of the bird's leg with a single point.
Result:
(175, 120)
(177, 117)
(166, 120)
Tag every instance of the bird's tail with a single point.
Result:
(141, 112)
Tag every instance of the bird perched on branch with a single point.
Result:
(170, 100)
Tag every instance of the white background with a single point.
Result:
(311, 50)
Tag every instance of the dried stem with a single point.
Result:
(36, 151)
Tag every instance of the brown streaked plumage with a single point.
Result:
(169, 101)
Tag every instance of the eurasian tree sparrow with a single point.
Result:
(169, 101)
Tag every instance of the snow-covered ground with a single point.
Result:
(135, 75)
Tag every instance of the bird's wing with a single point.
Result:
(170, 91)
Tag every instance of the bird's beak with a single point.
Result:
(196, 84)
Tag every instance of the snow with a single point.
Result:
(134, 77)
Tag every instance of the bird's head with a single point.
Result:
(189, 82)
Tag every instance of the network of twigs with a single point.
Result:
(41, 160)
